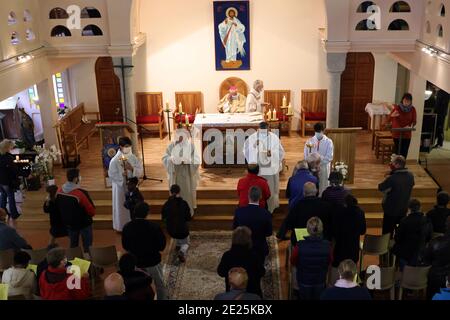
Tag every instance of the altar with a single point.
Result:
(222, 137)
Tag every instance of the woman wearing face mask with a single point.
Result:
(323, 146)
(403, 116)
(123, 166)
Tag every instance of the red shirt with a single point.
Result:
(405, 119)
(252, 180)
(53, 286)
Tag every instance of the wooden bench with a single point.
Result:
(386, 150)
(73, 133)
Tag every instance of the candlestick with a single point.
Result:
(180, 108)
(186, 119)
(167, 105)
(274, 115)
(290, 113)
(284, 101)
(269, 115)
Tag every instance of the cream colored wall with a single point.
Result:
(285, 48)
(84, 85)
(385, 78)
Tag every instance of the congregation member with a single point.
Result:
(145, 240)
(9, 238)
(138, 284)
(182, 162)
(265, 149)
(250, 180)
(114, 287)
(21, 280)
(257, 219)
(335, 194)
(176, 214)
(346, 287)
(238, 279)
(312, 258)
(439, 214)
(57, 227)
(402, 116)
(302, 175)
(254, 101)
(324, 146)
(314, 159)
(77, 210)
(123, 166)
(232, 102)
(133, 196)
(437, 255)
(397, 189)
(348, 225)
(444, 295)
(310, 206)
(242, 255)
(441, 109)
(9, 179)
(53, 281)
(412, 235)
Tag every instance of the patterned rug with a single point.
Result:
(197, 279)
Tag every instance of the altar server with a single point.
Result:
(182, 163)
(264, 148)
(123, 166)
(323, 145)
(254, 99)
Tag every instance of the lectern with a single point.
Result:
(110, 133)
(344, 141)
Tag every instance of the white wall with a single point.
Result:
(84, 85)
(179, 55)
(385, 78)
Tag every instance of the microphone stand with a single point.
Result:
(142, 150)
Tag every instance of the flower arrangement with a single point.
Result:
(342, 168)
(44, 161)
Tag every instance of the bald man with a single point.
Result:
(114, 287)
(238, 280)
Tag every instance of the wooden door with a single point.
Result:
(356, 90)
(108, 91)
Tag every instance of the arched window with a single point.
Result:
(399, 25)
(27, 16)
(89, 13)
(364, 6)
(440, 31)
(92, 30)
(400, 6)
(12, 18)
(15, 40)
(442, 10)
(366, 25)
(428, 7)
(61, 31)
(29, 35)
(428, 27)
(58, 13)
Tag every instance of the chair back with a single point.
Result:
(148, 103)
(376, 245)
(105, 256)
(333, 276)
(240, 84)
(192, 102)
(415, 278)
(314, 101)
(6, 259)
(37, 256)
(73, 253)
(387, 275)
(275, 98)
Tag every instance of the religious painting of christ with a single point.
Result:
(232, 35)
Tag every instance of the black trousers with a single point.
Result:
(390, 222)
(404, 147)
(440, 130)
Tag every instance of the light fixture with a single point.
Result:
(24, 58)
(428, 94)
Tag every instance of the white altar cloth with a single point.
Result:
(228, 120)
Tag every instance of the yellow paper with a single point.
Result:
(300, 234)
(4, 291)
(82, 264)
(32, 267)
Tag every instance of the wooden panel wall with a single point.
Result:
(148, 103)
(275, 98)
(191, 101)
(314, 100)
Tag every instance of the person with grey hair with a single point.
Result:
(9, 179)
(255, 99)
(257, 219)
(242, 255)
(312, 258)
(314, 160)
(238, 283)
(294, 190)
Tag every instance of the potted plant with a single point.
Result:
(34, 180)
(21, 146)
(45, 160)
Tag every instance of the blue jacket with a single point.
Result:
(444, 295)
(313, 260)
(295, 185)
(258, 220)
(10, 239)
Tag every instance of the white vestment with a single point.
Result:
(233, 38)
(254, 102)
(325, 148)
(256, 149)
(182, 163)
(121, 215)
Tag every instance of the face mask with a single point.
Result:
(126, 150)
(319, 135)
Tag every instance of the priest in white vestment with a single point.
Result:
(182, 162)
(264, 148)
(255, 99)
(123, 166)
(324, 146)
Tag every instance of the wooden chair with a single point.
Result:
(149, 112)
(374, 246)
(386, 150)
(192, 103)
(72, 253)
(314, 109)
(6, 259)
(37, 256)
(104, 257)
(414, 278)
(275, 100)
(240, 84)
(380, 135)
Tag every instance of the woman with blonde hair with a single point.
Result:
(346, 288)
(9, 174)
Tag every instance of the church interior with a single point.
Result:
(79, 75)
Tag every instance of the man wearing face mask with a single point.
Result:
(324, 146)
(123, 166)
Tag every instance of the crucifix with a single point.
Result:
(123, 67)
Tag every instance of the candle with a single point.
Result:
(290, 113)
(167, 105)
(274, 114)
(17, 158)
(180, 108)
(284, 101)
(186, 119)
(269, 115)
